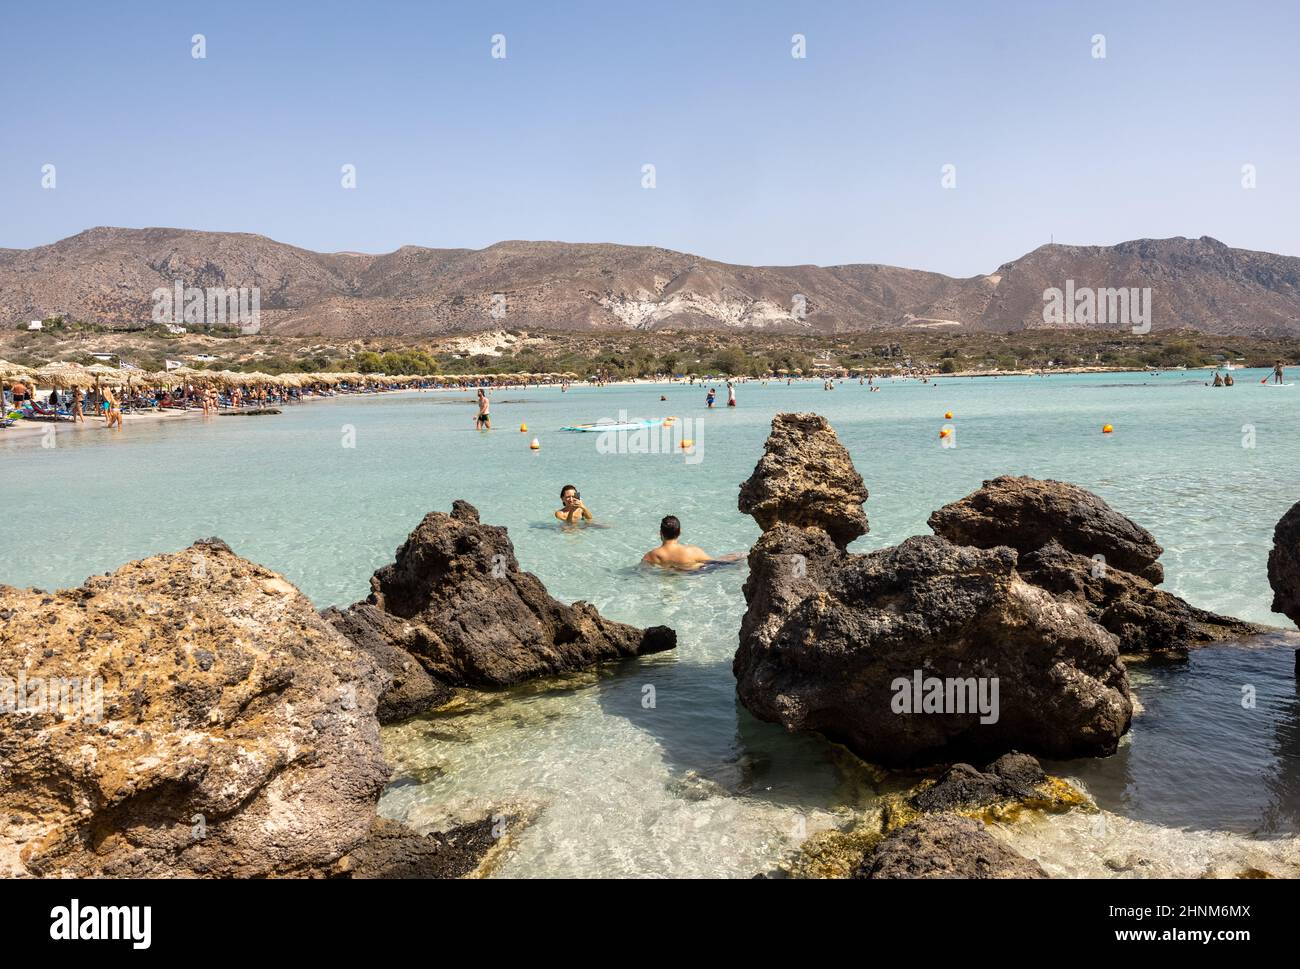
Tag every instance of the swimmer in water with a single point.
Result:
(672, 554)
(574, 510)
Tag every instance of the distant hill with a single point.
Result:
(107, 275)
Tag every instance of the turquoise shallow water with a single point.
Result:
(694, 785)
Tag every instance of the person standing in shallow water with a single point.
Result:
(709, 398)
(484, 419)
(731, 394)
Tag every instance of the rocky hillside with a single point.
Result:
(107, 275)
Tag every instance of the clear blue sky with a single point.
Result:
(760, 157)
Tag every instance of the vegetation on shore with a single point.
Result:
(629, 354)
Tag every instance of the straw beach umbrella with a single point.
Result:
(12, 372)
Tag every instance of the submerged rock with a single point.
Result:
(219, 726)
(393, 850)
(1284, 565)
(456, 599)
(945, 846)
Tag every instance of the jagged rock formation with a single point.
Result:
(1284, 565)
(1077, 547)
(456, 599)
(206, 722)
(945, 846)
(1028, 593)
(852, 645)
(1026, 513)
(806, 478)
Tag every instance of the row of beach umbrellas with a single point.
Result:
(66, 376)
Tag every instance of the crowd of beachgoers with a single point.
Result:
(70, 392)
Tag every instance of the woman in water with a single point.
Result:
(573, 510)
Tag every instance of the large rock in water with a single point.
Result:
(456, 599)
(1026, 514)
(842, 644)
(1076, 546)
(211, 724)
(1284, 565)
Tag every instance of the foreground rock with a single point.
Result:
(1076, 546)
(393, 850)
(456, 600)
(856, 646)
(1284, 565)
(945, 846)
(211, 724)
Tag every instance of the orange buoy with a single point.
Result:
(1107, 429)
(944, 432)
(948, 416)
(523, 428)
(688, 443)
(536, 445)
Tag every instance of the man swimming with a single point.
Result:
(574, 510)
(672, 554)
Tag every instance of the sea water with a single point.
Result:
(651, 768)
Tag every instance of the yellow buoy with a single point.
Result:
(688, 443)
(523, 428)
(944, 432)
(1106, 429)
(948, 416)
(536, 445)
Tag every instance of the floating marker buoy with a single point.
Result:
(1107, 429)
(948, 416)
(536, 445)
(688, 443)
(523, 428)
(944, 432)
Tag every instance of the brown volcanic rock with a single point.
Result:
(1145, 619)
(472, 618)
(1284, 565)
(1026, 513)
(827, 635)
(806, 478)
(945, 846)
(237, 735)
(412, 690)
(107, 275)
(832, 663)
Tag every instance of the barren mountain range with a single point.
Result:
(108, 275)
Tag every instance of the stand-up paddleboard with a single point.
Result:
(1278, 385)
(603, 426)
